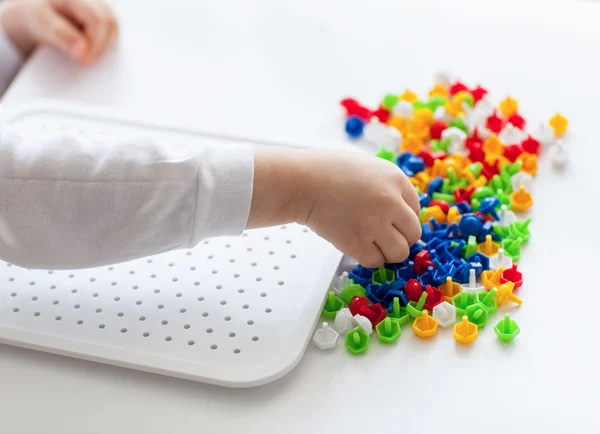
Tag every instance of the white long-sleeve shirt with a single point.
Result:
(69, 202)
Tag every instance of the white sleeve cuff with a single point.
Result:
(11, 60)
(230, 169)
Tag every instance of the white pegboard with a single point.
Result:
(234, 311)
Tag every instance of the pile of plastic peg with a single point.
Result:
(472, 164)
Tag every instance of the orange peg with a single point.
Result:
(521, 200)
(529, 163)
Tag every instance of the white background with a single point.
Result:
(275, 70)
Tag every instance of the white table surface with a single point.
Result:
(275, 70)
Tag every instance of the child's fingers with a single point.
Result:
(96, 20)
(408, 224)
(65, 36)
(370, 256)
(394, 246)
(412, 198)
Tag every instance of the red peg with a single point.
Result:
(421, 262)
(349, 104)
(513, 275)
(367, 313)
(531, 145)
(517, 120)
(485, 217)
(494, 123)
(382, 114)
(489, 170)
(430, 157)
(413, 290)
(357, 303)
(379, 313)
(463, 195)
(457, 87)
(435, 131)
(512, 152)
(442, 204)
(477, 155)
(474, 141)
(434, 297)
(478, 93)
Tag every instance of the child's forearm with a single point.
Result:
(10, 57)
(68, 202)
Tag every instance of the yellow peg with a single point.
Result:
(559, 124)
(425, 326)
(465, 332)
(488, 247)
(508, 106)
(491, 279)
(409, 96)
(450, 289)
(505, 293)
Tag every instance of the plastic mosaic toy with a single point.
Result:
(472, 164)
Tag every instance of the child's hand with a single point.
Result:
(365, 206)
(82, 29)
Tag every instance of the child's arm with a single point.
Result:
(11, 59)
(67, 202)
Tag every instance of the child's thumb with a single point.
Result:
(65, 36)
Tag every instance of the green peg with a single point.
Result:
(386, 154)
(435, 145)
(445, 143)
(509, 168)
(449, 198)
(422, 214)
(501, 231)
(383, 275)
(482, 192)
(496, 183)
(468, 98)
(512, 248)
(460, 124)
(461, 301)
(420, 104)
(475, 204)
(471, 247)
(398, 312)
(477, 314)
(504, 198)
(452, 176)
(389, 101)
(435, 102)
(332, 305)
(357, 341)
(518, 229)
(446, 187)
(416, 309)
(475, 169)
(488, 299)
(388, 330)
(351, 291)
(507, 183)
(506, 329)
